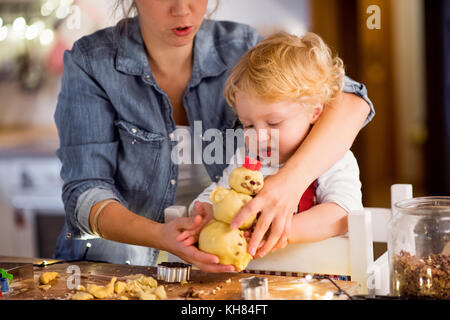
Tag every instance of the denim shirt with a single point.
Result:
(115, 127)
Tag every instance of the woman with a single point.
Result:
(124, 91)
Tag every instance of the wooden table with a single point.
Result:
(208, 286)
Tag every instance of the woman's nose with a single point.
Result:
(180, 8)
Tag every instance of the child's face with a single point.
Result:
(291, 119)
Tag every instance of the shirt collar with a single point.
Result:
(207, 60)
(132, 59)
(131, 56)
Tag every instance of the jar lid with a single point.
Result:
(429, 206)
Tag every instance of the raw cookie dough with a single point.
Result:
(246, 181)
(102, 292)
(227, 203)
(46, 277)
(228, 245)
(142, 287)
(82, 296)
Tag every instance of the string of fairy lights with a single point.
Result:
(36, 24)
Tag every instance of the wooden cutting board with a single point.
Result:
(210, 286)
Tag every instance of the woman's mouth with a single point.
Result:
(182, 31)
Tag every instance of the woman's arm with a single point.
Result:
(145, 232)
(330, 138)
(88, 152)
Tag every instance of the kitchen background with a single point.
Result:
(404, 64)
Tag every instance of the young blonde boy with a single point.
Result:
(281, 86)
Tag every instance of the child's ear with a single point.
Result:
(316, 112)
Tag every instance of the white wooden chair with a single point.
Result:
(351, 254)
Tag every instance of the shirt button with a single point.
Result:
(134, 130)
(171, 136)
(147, 77)
(68, 235)
(173, 182)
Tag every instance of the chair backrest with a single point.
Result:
(351, 254)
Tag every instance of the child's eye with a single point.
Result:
(274, 124)
(249, 126)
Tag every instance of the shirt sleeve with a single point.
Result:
(359, 89)
(341, 184)
(85, 202)
(88, 148)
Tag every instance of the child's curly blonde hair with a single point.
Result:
(286, 67)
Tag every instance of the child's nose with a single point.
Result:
(263, 136)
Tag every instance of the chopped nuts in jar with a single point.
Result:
(422, 277)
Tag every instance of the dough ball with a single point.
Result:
(246, 181)
(120, 287)
(102, 292)
(47, 277)
(82, 296)
(227, 203)
(228, 245)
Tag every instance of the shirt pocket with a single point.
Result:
(138, 157)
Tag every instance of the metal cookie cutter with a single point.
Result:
(174, 271)
(254, 288)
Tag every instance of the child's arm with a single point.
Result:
(321, 222)
(338, 193)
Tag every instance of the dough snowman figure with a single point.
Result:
(217, 237)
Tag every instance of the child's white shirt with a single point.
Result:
(340, 184)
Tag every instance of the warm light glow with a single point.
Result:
(329, 295)
(62, 12)
(308, 277)
(308, 291)
(40, 25)
(66, 3)
(3, 33)
(49, 7)
(47, 37)
(32, 32)
(19, 25)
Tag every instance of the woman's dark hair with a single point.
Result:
(129, 8)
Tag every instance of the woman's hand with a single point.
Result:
(172, 230)
(276, 202)
(204, 210)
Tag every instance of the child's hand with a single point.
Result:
(205, 211)
(276, 202)
(204, 261)
(280, 245)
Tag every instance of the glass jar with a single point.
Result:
(419, 248)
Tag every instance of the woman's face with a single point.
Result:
(171, 22)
